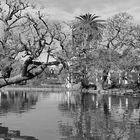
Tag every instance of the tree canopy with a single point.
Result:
(80, 47)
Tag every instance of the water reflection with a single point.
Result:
(100, 117)
(70, 116)
(17, 101)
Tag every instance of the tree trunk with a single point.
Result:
(101, 80)
(26, 75)
(25, 67)
(99, 84)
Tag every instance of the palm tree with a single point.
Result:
(86, 30)
(89, 27)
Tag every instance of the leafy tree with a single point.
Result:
(116, 47)
(123, 37)
(87, 33)
(121, 40)
(81, 49)
(25, 34)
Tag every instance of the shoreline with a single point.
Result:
(64, 89)
(33, 89)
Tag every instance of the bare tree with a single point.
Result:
(28, 35)
(121, 41)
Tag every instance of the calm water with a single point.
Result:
(69, 116)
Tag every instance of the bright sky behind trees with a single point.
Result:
(68, 9)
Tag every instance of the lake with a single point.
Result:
(68, 116)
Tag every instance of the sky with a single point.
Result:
(68, 9)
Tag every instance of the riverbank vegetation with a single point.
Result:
(86, 49)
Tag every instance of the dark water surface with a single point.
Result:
(69, 116)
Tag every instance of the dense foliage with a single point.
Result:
(86, 48)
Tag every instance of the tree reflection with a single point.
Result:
(100, 117)
(17, 101)
(81, 110)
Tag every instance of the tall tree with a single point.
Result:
(26, 33)
(122, 37)
(88, 28)
(87, 33)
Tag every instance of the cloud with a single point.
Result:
(135, 12)
(68, 9)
